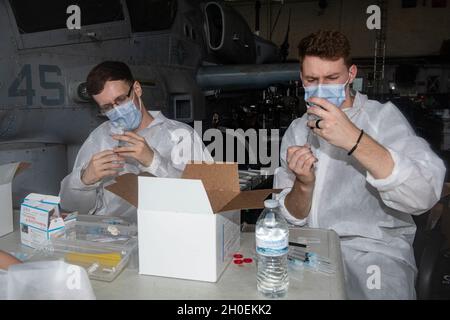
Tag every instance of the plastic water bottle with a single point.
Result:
(272, 243)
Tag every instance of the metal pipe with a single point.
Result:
(246, 76)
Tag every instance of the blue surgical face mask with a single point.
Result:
(126, 116)
(334, 93)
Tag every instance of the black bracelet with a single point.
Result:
(356, 145)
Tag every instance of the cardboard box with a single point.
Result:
(40, 220)
(45, 198)
(189, 228)
(7, 174)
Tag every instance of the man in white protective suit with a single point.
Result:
(356, 166)
(134, 140)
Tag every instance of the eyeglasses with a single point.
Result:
(117, 102)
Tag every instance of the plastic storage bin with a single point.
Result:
(103, 249)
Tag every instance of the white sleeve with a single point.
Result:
(187, 147)
(284, 178)
(416, 182)
(284, 211)
(159, 166)
(74, 194)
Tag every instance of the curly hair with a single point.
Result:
(326, 44)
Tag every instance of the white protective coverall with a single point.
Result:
(45, 280)
(372, 216)
(174, 144)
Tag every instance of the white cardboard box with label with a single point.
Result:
(189, 228)
(40, 219)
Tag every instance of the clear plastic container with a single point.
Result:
(99, 233)
(103, 249)
(104, 220)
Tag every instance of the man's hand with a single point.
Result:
(335, 126)
(7, 260)
(138, 149)
(301, 161)
(102, 164)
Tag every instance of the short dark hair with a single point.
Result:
(107, 71)
(325, 44)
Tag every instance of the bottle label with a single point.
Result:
(272, 248)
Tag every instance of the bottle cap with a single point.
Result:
(271, 204)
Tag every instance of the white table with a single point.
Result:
(237, 282)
